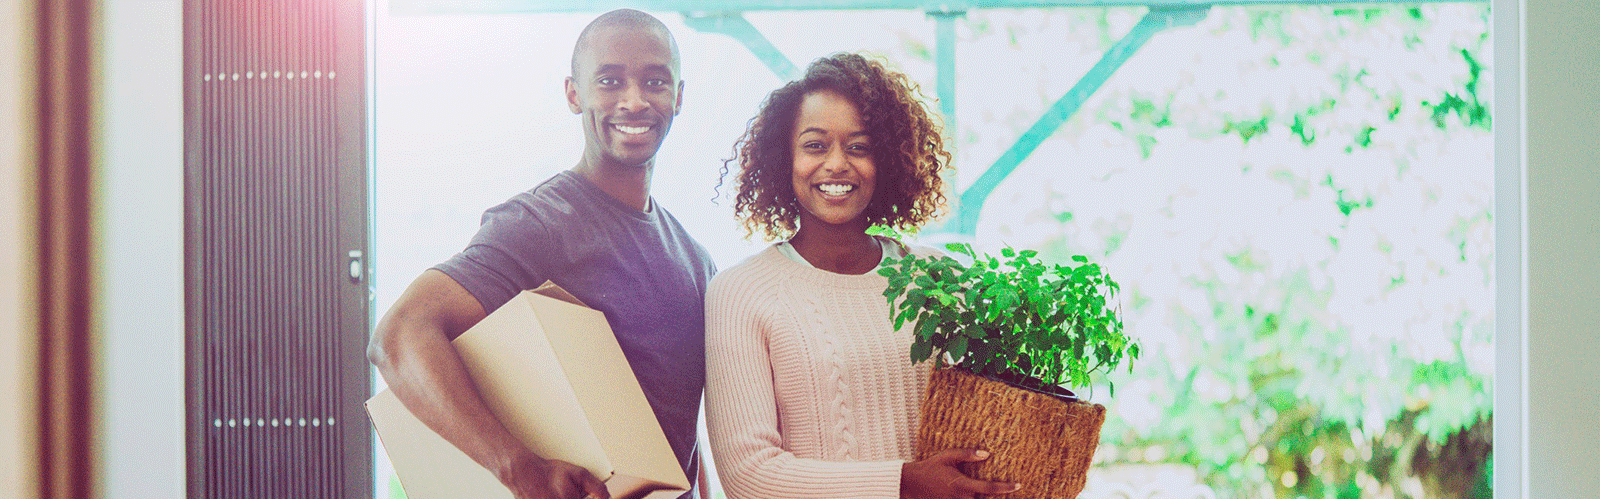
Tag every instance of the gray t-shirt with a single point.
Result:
(640, 268)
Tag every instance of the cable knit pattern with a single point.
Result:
(809, 392)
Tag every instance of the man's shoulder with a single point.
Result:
(558, 201)
(671, 223)
(559, 193)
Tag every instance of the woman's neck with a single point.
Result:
(837, 249)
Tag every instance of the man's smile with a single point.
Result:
(631, 129)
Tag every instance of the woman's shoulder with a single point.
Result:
(757, 270)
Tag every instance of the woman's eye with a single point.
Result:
(859, 148)
(814, 146)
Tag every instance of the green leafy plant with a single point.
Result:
(1014, 318)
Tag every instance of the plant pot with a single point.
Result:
(1041, 441)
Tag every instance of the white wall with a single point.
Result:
(141, 250)
(17, 371)
(1562, 64)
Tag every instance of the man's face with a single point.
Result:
(628, 91)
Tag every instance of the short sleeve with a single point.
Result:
(511, 252)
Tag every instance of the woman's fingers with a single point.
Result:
(953, 457)
(968, 485)
(976, 486)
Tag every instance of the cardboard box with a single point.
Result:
(550, 369)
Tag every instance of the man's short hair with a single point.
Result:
(624, 18)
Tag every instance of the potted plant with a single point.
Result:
(1005, 334)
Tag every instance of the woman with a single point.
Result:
(810, 391)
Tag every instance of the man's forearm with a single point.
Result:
(427, 375)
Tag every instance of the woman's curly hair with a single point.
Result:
(907, 148)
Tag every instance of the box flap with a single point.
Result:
(610, 395)
(510, 357)
(550, 289)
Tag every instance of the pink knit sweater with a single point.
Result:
(810, 393)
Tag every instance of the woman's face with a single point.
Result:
(833, 172)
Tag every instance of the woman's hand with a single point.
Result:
(937, 477)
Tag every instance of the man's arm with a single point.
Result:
(411, 349)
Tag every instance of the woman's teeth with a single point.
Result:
(836, 189)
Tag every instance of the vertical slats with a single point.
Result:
(327, 152)
(272, 292)
(280, 447)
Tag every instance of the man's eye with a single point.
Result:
(655, 82)
(609, 81)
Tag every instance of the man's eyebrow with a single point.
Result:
(618, 68)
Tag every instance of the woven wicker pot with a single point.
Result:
(1040, 441)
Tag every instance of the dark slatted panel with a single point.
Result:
(275, 198)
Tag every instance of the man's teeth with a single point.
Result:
(631, 130)
(836, 189)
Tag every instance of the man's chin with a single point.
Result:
(630, 161)
(633, 157)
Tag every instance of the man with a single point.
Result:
(595, 231)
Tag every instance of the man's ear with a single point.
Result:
(572, 96)
(678, 106)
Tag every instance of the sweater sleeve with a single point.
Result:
(742, 411)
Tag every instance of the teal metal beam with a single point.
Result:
(509, 6)
(735, 25)
(971, 202)
(944, 50)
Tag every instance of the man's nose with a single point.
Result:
(633, 99)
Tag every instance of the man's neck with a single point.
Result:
(628, 184)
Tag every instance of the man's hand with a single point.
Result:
(937, 477)
(530, 477)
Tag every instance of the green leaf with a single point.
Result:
(925, 329)
(962, 248)
(957, 347)
(974, 332)
(916, 299)
(1008, 252)
(944, 298)
(899, 280)
(1080, 259)
(920, 351)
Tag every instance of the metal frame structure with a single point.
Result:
(727, 17)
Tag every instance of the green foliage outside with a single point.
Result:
(1297, 202)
